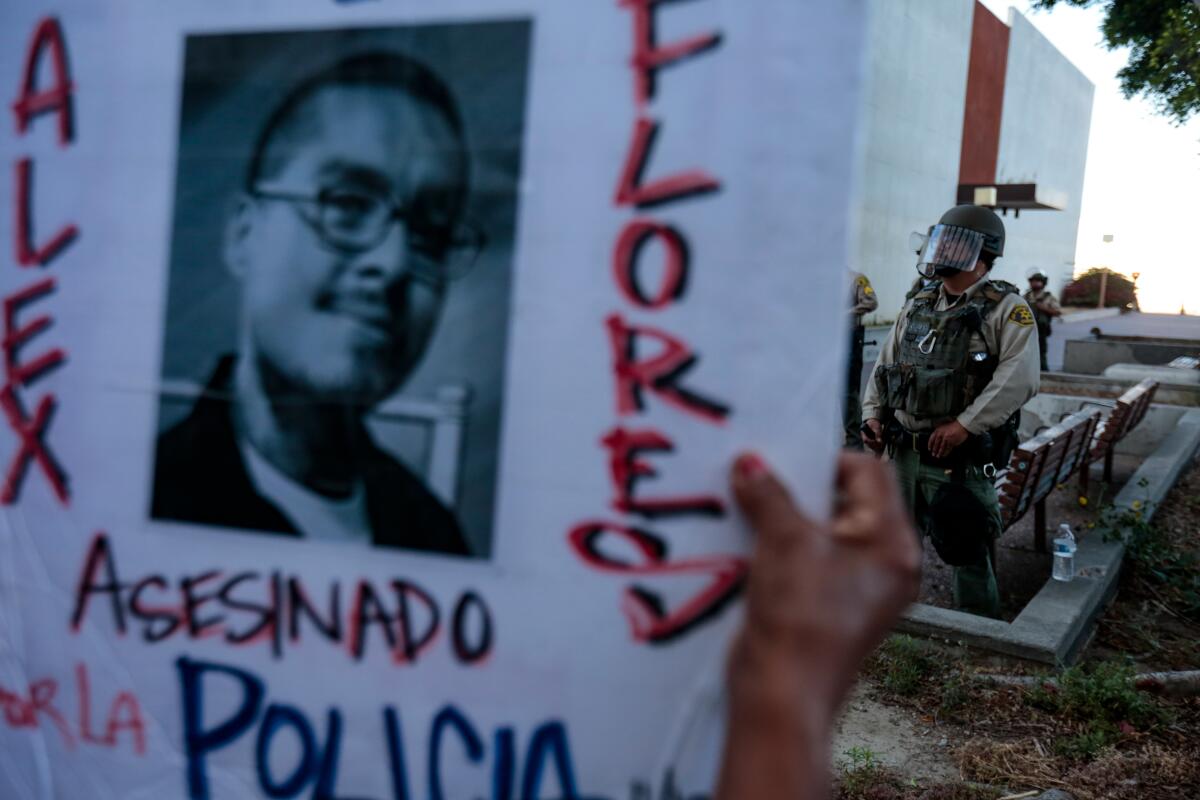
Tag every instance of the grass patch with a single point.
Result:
(860, 771)
(1102, 702)
(1083, 746)
(1161, 566)
(925, 678)
(956, 694)
(905, 666)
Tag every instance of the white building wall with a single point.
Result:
(1043, 140)
(918, 54)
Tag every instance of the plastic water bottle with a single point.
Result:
(1064, 554)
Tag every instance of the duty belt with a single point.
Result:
(969, 453)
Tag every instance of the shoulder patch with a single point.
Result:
(1021, 315)
(868, 291)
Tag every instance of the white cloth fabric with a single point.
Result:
(314, 515)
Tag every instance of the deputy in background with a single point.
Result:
(945, 395)
(862, 301)
(1045, 308)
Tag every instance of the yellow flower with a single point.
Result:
(1137, 505)
(1083, 501)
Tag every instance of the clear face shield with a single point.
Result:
(946, 247)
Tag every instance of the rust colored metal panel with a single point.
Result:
(985, 98)
(1015, 195)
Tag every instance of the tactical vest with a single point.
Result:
(936, 374)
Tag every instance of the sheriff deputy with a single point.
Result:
(1045, 308)
(862, 301)
(946, 392)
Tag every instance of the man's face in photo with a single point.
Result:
(340, 245)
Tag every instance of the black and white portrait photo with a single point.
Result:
(339, 287)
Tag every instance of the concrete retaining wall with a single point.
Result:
(1098, 387)
(1091, 356)
(1047, 409)
(1138, 372)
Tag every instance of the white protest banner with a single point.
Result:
(372, 371)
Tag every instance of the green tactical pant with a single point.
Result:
(974, 585)
(852, 422)
(851, 405)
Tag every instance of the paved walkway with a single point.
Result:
(895, 737)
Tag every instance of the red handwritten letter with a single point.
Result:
(649, 56)
(626, 468)
(649, 619)
(23, 374)
(632, 191)
(29, 255)
(33, 103)
(633, 239)
(660, 374)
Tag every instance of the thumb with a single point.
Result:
(765, 501)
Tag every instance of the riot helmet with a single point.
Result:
(956, 242)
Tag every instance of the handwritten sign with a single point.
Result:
(371, 375)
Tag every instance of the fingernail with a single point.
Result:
(751, 467)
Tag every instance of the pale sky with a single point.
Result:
(1142, 183)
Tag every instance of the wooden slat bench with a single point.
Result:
(1037, 466)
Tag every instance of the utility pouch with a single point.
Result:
(892, 384)
(934, 393)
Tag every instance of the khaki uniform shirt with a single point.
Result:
(1043, 298)
(862, 298)
(1008, 332)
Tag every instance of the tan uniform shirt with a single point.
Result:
(1008, 332)
(862, 299)
(1046, 299)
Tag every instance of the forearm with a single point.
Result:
(870, 401)
(819, 598)
(777, 741)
